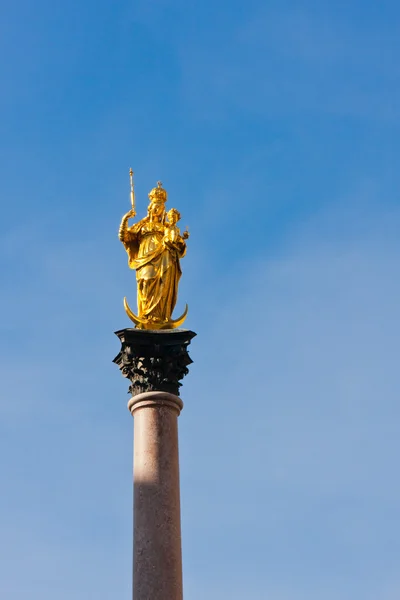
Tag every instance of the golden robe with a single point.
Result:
(156, 261)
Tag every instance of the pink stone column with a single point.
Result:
(157, 554)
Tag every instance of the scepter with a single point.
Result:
(132, 191)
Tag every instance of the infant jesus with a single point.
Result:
(172, 233)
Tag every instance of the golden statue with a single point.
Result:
(154, 246)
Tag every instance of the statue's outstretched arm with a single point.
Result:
(124, 233)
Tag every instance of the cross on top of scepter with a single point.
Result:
(159, 184)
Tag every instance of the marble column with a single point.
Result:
(155, 362)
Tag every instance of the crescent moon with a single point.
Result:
(137, 320)
(144, 323)
(177, 322)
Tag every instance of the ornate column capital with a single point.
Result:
(154, 361)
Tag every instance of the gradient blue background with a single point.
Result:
(275, 129)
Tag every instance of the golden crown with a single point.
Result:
(158, 194)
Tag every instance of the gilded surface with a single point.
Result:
(154, 246)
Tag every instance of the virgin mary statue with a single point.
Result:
(155, 246)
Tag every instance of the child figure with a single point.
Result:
(172, 232)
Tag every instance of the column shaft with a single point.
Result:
(157, 554)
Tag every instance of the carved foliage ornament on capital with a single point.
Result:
(154, 360)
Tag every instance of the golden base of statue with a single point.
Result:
(155, 247)
(153, 322)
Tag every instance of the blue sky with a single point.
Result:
(275, 129)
